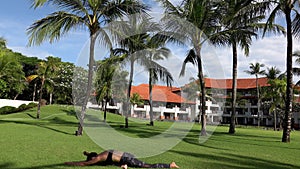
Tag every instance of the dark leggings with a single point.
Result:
(131, 161)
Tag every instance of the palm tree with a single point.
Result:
(272, 73)
(255, 69)
(155, 51)
(106, 69)
(202, 18)
(79, 14)
(290, 10)
(241, 20)
(136, 43)
(46, 71)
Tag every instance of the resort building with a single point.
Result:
(174, 103)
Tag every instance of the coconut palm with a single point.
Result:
(155, 51)
(255, 69)
(78, 14)
(272, 73)
(45, 72)
(106, 70)
(289, 9)
(242, 19)
(140, 45)
(192, 21)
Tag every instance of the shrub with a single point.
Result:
(22, 107)
(8, 110)
(43, 102)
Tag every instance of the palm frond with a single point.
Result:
(271, 18)
(296, 24)
(190, 58)
(53, 27)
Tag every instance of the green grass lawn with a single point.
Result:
(27, 143)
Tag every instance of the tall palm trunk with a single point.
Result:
(150, 97)
(202, 87)
(289, 68)
(93, 37)
(258, 102)
(234, 84)
(40, 99)
(127, 104)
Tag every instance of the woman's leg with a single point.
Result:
(134, 162)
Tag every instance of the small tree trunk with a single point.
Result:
(15, 98)
(50, 98)
(34, 91)
(105, 108)
(40, 99)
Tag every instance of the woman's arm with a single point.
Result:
(85, 163)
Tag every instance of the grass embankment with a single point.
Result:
(28, 143)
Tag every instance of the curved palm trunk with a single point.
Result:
(89, 85)
(40, 99)
(234, 84)
(150, 97)
(289, 68)
(258, 102)
(127, 104)
(202, 87)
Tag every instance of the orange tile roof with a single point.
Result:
(159, 93)
(249, 83)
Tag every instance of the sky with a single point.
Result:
(16, 16)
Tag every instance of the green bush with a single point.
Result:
(22, 107)
(7, 110)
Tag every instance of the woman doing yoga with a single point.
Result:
(122, 159)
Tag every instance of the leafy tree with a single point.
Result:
(2, 43)
(12, 77)
(277, 95)
(63, 83)
(92, 14)
(255, 69)
(290, 10)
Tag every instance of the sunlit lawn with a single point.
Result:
(46, 143)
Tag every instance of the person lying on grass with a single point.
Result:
(122, 159)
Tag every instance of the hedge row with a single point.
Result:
(10, 109)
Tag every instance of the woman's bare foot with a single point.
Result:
(124, 166)
(173, 165)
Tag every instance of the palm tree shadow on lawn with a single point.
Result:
(45, 125)
(11, 166)
(229, 160)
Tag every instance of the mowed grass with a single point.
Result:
(28, 143)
